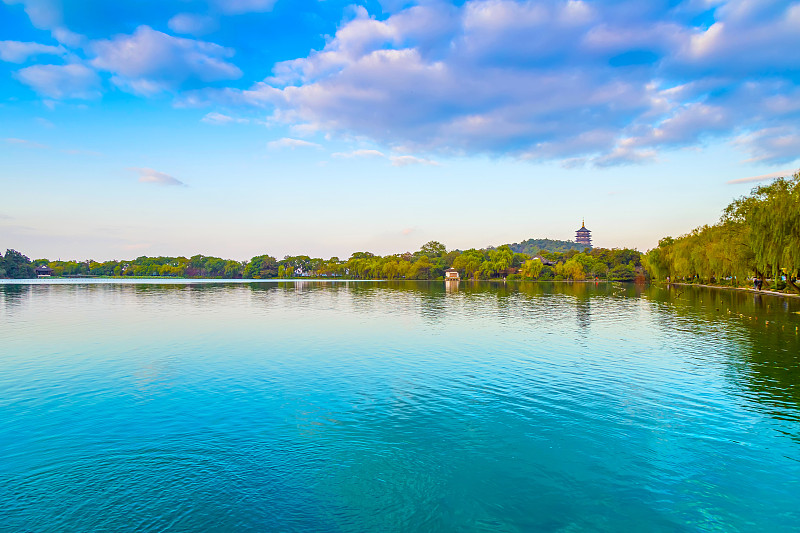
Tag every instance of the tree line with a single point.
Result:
(533, 246)
(427, 263)
(757, 236)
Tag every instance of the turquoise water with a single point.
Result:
(397, 407)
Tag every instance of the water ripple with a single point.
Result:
(397, 407)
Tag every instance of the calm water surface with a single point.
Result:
(397, 407)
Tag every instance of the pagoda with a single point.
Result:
(583, 235)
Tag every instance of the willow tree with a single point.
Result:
(531, 268)
(469, 262)
(772, 216)
(734, 250)
(572, 269)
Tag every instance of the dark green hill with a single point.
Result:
(532, 246)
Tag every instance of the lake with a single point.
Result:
(397, 406)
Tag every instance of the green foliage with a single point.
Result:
(573, 269)
(261, 267)
(533, 246)
(622, 273)
(655, 262)
(772, 215)
(433, 249)
(429, 263)
(16, 266)
(758, 235)
(469, 263)
(531, 269)
(422, 268)
(299, 265)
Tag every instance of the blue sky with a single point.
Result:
(239, 127)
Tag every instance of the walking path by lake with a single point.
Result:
(742, 289)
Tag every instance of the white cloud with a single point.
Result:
(368, 81)
(405, 160)
(396, 160)
(25, 143)
(286, 142)
(749, 37)
(763, 177)
(219, 118)
(61, 81)
(777, 144)
(19, 52)
(688, 122)
(67, 37)
(148, 175)
(48, 15)
(44, 14)
(603, 83)
(625, 153)
(192, 24)
(149, 61)
(359, 153)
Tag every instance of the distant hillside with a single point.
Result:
(532, 246)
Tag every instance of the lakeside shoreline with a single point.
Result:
(165, 281)
(132, 279)
(185, 281)
(743, 289)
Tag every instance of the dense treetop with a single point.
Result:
(429, 262)
(758, 235)
(15, 265)
(532, 246)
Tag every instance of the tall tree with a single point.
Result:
(16, 265)
(772, 216)
(261, 266)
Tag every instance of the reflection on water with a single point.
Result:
(767, 330)
(397, 406)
